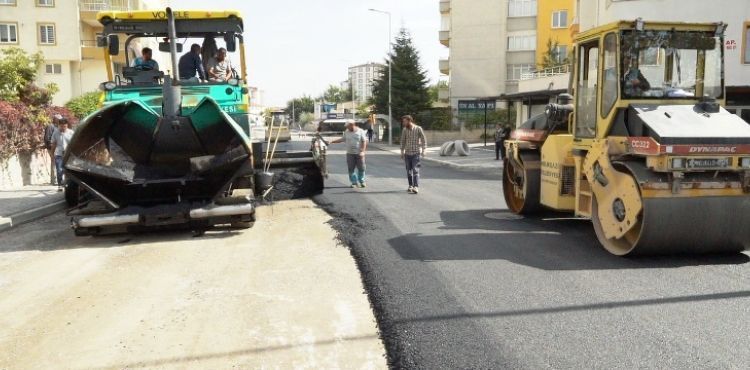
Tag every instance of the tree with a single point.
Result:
(302, 104)
(433, 90)
(409, 92)
(306, 118)
(363, 110)
(552, 58)
(18, 71)
(83, 105)
(335, 94)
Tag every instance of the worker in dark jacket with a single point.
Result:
(191, 63)
(501, 134)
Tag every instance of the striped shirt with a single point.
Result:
(412, 139)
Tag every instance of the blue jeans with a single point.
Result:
(412, 169)
(355, 161)
(59, 169)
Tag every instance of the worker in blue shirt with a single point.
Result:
(145, 62)
(191, 63)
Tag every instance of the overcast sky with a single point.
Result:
(297, 47)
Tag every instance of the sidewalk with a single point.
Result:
(479, 158)
(28, 203)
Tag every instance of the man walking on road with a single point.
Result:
(413, 144)
(49, 131)
(356, 146)
(501, 134)
(60, 141)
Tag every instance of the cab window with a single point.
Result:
(586, 94)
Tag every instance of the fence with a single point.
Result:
(116, 5)
(548, 72)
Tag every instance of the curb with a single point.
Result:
(6, 223)
(445, 163)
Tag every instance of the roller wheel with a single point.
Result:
(621, 246)
(521, 185)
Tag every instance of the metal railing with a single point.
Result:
(116, 5)
(548, 72)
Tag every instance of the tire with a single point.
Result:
(449, 149)
(462, 148)
(443, 147)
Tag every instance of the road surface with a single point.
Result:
(459, 282)
(282, 294)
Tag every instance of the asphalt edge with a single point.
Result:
(16, 219)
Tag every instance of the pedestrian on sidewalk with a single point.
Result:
(49, 131)
(356, 146)
(502, 133)
(60, 140)
(413, 145)
(370, 132)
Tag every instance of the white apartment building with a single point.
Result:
(64, 31)
(736, 13)
(362, 78)
(491, 43)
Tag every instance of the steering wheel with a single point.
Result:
(143, 67)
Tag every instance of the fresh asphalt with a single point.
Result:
(457, 281)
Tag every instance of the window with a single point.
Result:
(745, 41)
(521, 8)
(45, 2)
(8, 2)
(54, 68)
(47, 34)
(516, 70)
(522, 42)
(8, 33)
(586, 94)
(560, 19)
(611, 76)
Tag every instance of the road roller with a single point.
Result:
(640, 145)
(171, 151)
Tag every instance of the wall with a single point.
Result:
(436, 138)
(545, 32)
(27, 170)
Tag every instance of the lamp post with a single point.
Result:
(390, 76)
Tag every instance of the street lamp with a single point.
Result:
(390, 75)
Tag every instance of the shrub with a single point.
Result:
(83, 105)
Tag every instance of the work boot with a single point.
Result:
(362, 185)
(415, 190)
(410, 190)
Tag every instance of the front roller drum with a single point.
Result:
(522, 183)
(679, 225)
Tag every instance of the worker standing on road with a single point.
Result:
(501, 134)
(356, 146)
(60, 140)
(413, 144)
(49, 131)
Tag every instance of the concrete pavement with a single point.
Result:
(282, 294)
(28, 203)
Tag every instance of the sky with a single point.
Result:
(297, 47)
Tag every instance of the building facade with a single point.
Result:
(554, 18)
(64, 31)
(735, 13)
(362, 78)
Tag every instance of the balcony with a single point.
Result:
(112, 5)
(89, 50)
(445, 6)
(445, 37)
(444, 65)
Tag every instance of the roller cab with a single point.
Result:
(645, 149)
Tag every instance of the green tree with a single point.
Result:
(434, 89)
(306, 118)
(409, 92)
(17, 71)
(552, 58)
(84, 104)
(335, 94)
(363, 110)
(303, 104)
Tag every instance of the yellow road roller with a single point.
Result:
(641, 145)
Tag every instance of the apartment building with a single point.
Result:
(735, 13)
(362, 78)
(554, 18)
(64, 31)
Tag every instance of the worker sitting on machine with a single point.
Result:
(220, 68)
(144, 62)
(635, 82)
